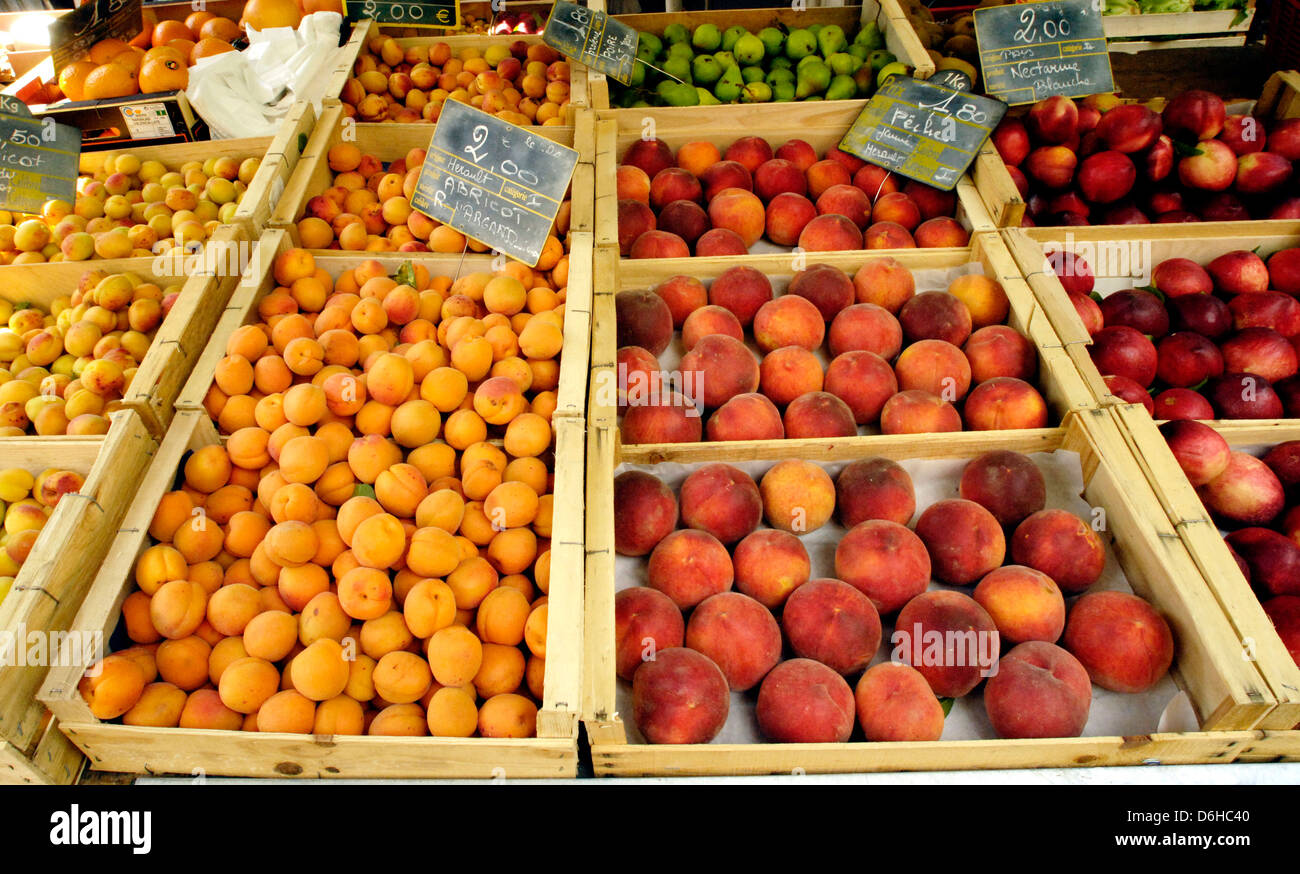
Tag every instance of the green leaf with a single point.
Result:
(1200, 384)
(1151, 289)
(363, 490)
(1096, 295)
(946, 703)
(405, 274)
(1183, 150)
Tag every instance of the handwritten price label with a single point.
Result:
(409, 13)
(38, 160)
(593, 38)
(1035, 50)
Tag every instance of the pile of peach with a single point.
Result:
(899, 360)
(61, 372)
(522, 83)
(368, 208)
(731, 606)
(1213, 341)
(368, 550)
(709, 202)
(130, 209)
(1256, 499)
(26, 502)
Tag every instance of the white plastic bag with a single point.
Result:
(246, 94)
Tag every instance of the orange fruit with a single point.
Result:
(131, 58)
(220, 28)
(72, 79)
(261, 14)
(164, 51)
(163, 74)
(195, 21)
(110, 80)
(207, 47)
(166, 31)
(103, 51)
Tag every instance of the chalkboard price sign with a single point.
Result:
(593, 38)
(1031, 51)
(38, 159)
(408, 13)
(72, 34)
(930, 133)
(493, 181)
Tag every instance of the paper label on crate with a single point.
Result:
(148, 121)
(408, 13)
(1030, 51)
(593, 38)
(930, 133)
(72, 35)
(495, 182)
(39, 160)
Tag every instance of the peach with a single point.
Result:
(803, 701)
(742, 212)
(847, 201)
(867, 327)
(686, 219)
(1122, 641)
(798, 496)
(831, 232)
(689, 566)
(684, 295)
(828, 288)
(1025, 604)
(673, 419)
(1284, 612)
(749, 416)
(964, 540)
(697, 157)
(786, 216)
(1269, 560)
(769, 565)
(862, 380)
(1061, 545)
(918, 412)
(741, 290)
(934, 366)
(634, 220)
(875, 181)
(798, 152)
(674, 183)
(949, 638)
(819, 414)
(722, 175)
(885, 282)
(874, 488)
(888, 235)
(721, 500)
(738, 634)
(711, 319)
(885, 561)
(824, 175)
(632, 183)
(752, 152)
(941, 232)
(659, 244)
(1005, 402)
(1039, 690)
(832, 622)
(643, 319)
(680, 697)
(789, 320)
(778, 176)
(935, 315)
(723, 367)
(997, 350)
(898, 208)
(1005, 483)
(645, 511)
(651, 155)
(646, 622)
(719, 242)
(895, 703)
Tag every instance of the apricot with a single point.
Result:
(320, 671)
(247, 683)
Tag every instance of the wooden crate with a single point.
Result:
(1179, 30)
(1280, 99)
(900, 39)
(1228, 694)
(1207, 548)
(388, 142)
(1200, 241)
(1058, 380)
(367, 30)
(51, 583)
(821, 123)
(115, 747)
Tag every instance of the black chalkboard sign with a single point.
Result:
(925, 132)
(72, 34)
(1030, 51)
(408, 13)
(39, 159)
(493, 181)
(593, 38)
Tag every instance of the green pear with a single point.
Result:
(781, 62)
(843, 64)
(859, 52)
(865, 77)
(729, 86)
(779, 75)
(749, 49)
(675, 33)
(830, 39)
(800, 44)
(752, 74)
(706, 97)
(813, 79)
(705, 69)
(842, 88)
(681, 50)
(893, 68)
(648, 46)
(879, 58)
(869, 36)
(773, 40)
(707, 38)
(783, 92)
(676, 94)
(679, 68)
(813, 28)
(725, 59)
(756, 92)
(731, 35)
(637, 78)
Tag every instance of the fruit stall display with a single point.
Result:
(404, 80)
(1102, 161)
(296, 452)
(816, 710)
(763, 55)
(1207, 334)
(839, 346)
(77, 511)
(669, 188)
